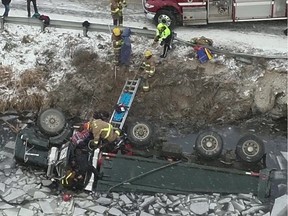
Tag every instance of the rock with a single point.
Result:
(98, 208)
(116, 196)
(115, 211)
(280, 206)
(199, 207)
(25, 212)
(104, 201)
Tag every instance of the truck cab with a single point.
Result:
(202, 12)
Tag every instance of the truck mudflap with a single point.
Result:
(136, 174)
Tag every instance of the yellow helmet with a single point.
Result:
(116, 31)
(147, 53)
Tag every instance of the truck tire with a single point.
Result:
(140, 133)
(209, 144)
(250, 149)
(61, 138)
(167, 17)
(51, 121)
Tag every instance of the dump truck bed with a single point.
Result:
(130, 173)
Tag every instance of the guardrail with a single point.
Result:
(107, 29)
(71, 25)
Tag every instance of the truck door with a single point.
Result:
(194, 12)
(220, 11)
(280, 8)
(256, 9)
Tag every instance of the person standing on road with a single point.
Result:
(117, 11)
(6, 4)
(164, 35)
(29, 9)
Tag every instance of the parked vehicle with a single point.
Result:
(202, 12)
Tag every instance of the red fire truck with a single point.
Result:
(202, 12)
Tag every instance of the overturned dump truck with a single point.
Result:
(134, 165)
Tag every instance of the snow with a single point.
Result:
(26, 47)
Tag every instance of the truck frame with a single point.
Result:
(202, 12)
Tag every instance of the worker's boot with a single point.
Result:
(146, 86)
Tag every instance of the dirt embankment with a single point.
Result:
(183, 93)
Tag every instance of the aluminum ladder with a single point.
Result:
(125, 101)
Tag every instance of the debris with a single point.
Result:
(199, 207)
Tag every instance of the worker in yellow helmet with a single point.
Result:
(164, 36)
(102, 130)
(148, 66)
(117, 42)
(117, 11)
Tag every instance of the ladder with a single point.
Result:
(125, 100)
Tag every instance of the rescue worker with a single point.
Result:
(68, 180)
(148, 66)
(117, 11)
(164, 35)
(102, 130)
(117, 42)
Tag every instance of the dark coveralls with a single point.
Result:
(34, 5)
(6, 4)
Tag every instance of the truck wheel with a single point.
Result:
(63, 137)
(51, 121)
(166, 17)
(250, 149)
(140, 134)
(209, 144)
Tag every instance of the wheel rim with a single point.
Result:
(165, 18)
(52, 121)
(209, 143)
(141, 131)
(250, 148)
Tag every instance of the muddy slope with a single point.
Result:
(182, 92)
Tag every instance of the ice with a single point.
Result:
(98, 208)
(14, 194)
(104, 201)
(39, 195)
(115, 211)
(199, 207)
(147, 201)
(280, 206)
(46, 207)
(25, 212)
(11, 212)
(79, 211)
(2, 187)
(125, 199)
